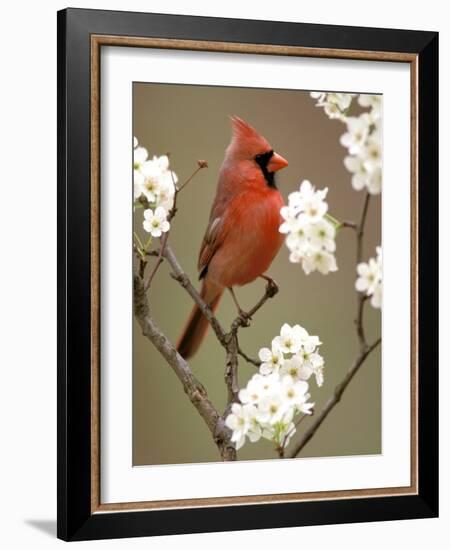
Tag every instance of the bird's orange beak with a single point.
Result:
(277, 162)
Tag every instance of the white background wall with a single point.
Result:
(28, 271)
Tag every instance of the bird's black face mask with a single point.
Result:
(262, 161)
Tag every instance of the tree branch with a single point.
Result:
(364, 348)
(180, 276)
(228, 340)
(192, 387)
(232, 345)
(231, 367)
(332, 401)
(360, 231)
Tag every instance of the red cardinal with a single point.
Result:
(242, 236)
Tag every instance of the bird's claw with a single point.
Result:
(244, 318)
(272, 288)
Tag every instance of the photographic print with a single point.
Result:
(257, 258)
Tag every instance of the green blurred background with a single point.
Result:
(190, 123)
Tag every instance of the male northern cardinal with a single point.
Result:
(242, 237)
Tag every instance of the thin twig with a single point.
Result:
(255, 362)
(137, 251)
(349, 225)
(270, 291)
(361, 298)
(200, 165)
(282, 447)
(232, 344)
(158, 262)
(359, 321)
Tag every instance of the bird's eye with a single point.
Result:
(263, 158)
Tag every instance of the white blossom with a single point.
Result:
(294, 367)
(372, 101)
(312, 363)
(153, 178)
(320, 260)
(271, 359)
(371, 154)
(335, 105)
(140, 155)
(355, 165)
(239, 421)
(322, 235)
(298, 240)
(368, 276)
(158, 182)
(363, 141)
(290, 339)
(272, 408)
(320, 96)
(374, 182)
(310, 343)
(254, 391)
(279, 392)
(369, 279)
(155, 222)
(310, 236)
(296, 394)
(362, 138)
(291, 222)
(377, 297)
(166, 193)
(357, 131)
(309, 202)
(305, 364)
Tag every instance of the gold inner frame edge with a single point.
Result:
(97, 41)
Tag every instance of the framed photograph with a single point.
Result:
(247, 255)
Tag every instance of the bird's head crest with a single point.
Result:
(246, 139)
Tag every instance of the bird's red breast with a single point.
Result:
(251, 238)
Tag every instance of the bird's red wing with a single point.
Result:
(212, 240)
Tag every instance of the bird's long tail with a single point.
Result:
(197, 324)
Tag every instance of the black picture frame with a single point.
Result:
(75, 518)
